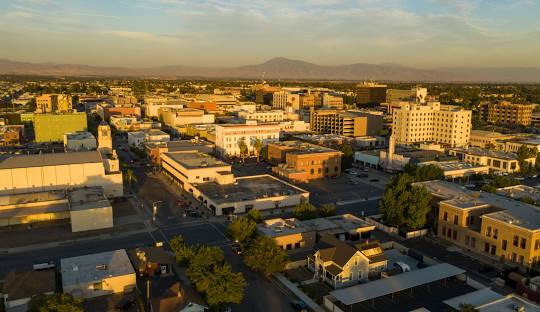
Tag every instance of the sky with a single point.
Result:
(226, 33)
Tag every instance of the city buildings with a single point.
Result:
(173, 117)
(156, 149)
(302, 162)
(11, 135)
(79, 141)
(54, 103)
(52, 127)
(483, 139)
(457, 169)
(228, 136)
(152, 105)
(495, 160)
(501, 228)
(433, 122)
(99, 274)
(104, 137)
(132, 123)
(194, 167)
(264, 116)
(507, 113)
(347, 123)
(370, 93)
(417, 94)
(286, 100)
(105, 111)
(138, 138)
(264, 94)
(60, 171)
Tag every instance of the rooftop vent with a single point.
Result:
(102, 267)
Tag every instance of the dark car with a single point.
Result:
(373, 180)
(193, 214)
(299, 306)
(237, 249)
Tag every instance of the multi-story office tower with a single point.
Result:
(507, 113)
(286, 99)
(49, 103)
(417, 94)
(347, 123)
(370, 93)
(432, 122)
(331, 101)
(228, 136)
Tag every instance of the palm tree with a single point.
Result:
(257, 144)
(243, 149)
(130, 176)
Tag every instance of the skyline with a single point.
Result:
(146, 33)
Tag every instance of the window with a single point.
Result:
(456, 218)
(495, 233)
(488, 231)
(297, 245)
(312, 171)
(473, 242)
(445, 217)
(467, 240)
(536, 244)
(523, 243)
(514, 256)
(504, 243)
(289, 246)
(454, 236)
(486, 247)
(444, 230)
(515, 241)
(521, 259)
(493, 249)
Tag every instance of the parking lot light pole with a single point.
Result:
(155, 210)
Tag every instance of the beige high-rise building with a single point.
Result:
(49, 103)
(286, 99)
(432, 122)
(347, 123)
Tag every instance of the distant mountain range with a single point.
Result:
(282, 68)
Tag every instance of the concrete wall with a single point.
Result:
(112, 285)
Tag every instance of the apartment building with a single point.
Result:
(275, 115)
(501, 228)
(483, 139)
(507, 113)
(433, 122)
(174, 117)
(346, 123)
(495, 160)
(54, 103)
(228, 136)
(370, 93)
(52, 127)
(152, 105)
(301, 162)
(11, 135)
(138, 138)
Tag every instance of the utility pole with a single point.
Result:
(148, 304)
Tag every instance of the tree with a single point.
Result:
(257, 145)
(304, 211)
(203, 262)
(424, 173)
(405, 205)
(130, 176)
(54, 303)
(524, 153)
(499, 182)
(182, 251)
(243, 230)
(254, 215)
(347, 157)
(467, 307)
(243, 149)
(327, 210)
(265, 256)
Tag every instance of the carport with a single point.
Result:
(390, 286)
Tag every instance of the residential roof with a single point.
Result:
(153, 255)
(396, 283)
(20, 285)
(332, 249)
(54, 159)
(280, 227)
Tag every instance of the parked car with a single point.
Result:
(299, 306)
(236, 248)
(374, 180)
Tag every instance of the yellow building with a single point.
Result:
(431, 122)
(52, 127)
(491, 225)
(495, 160)
(54, 103)
(483, 139)
(347, 123)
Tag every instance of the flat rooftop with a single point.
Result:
(299, 147)
(519, 192)
(489, 134)
(280, 227)
(95, 267)
(80, 136)
(248, 188)
(53, 159)
(476, 151)
(88, 198)
(509, 210)
(196, 160)
(455, 165)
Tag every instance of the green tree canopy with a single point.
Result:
(498, 182)
(265, 256)
(222, 286)
(257, 145)
(347, 157)
(243, 148)
(182, 251)
(255, 215)
(243, 230)
(304, 211)
(405, 205)
(54, 303)
(327, 210)
(424, 173)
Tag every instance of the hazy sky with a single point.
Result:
(140, 33)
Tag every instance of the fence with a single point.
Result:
(373, 220)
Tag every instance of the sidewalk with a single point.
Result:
(292, 287)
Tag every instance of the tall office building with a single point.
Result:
(432, 122)
(53, 103)
(507, 113)
(347, 123)
(285, 99)
(370, 93)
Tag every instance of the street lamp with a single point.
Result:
(155, 209)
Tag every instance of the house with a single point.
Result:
(169, 295)
(20, 287)
(375, 254)
(150, 261)
(100, 274)
(340, 264)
